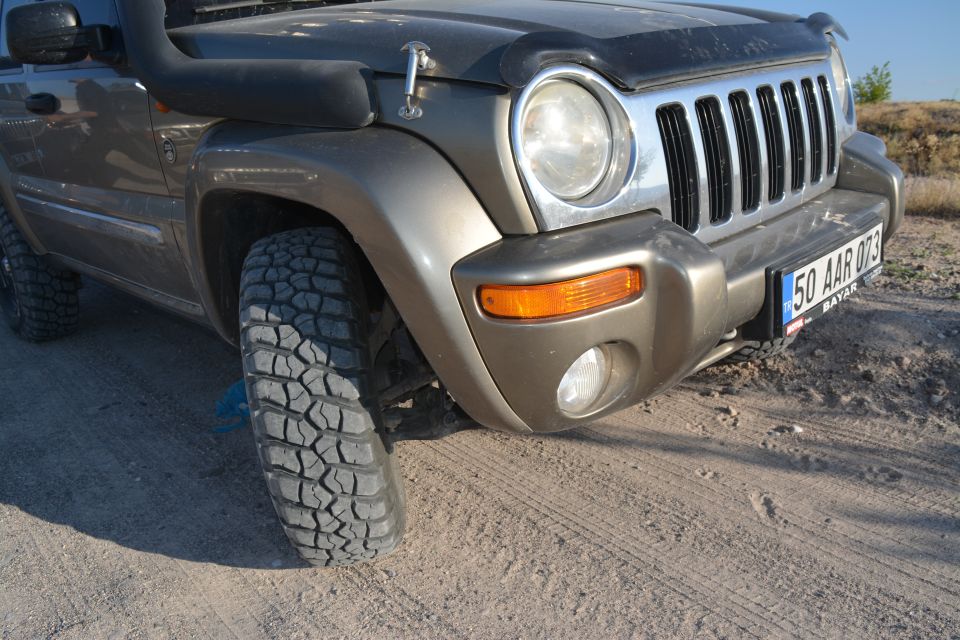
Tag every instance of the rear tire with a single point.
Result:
(754, 351)
(315, 413)
(37, 300)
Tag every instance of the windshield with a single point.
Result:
(181, 13)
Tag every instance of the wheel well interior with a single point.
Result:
(230, 222)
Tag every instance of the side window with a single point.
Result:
(7, 66)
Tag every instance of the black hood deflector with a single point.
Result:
(645, 59)
(252, 69)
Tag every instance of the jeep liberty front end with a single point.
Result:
(413, 216)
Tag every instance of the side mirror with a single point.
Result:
(51, 33)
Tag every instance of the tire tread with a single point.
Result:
(47, 296)
(754, 351)
(315, 416)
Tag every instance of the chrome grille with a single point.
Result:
(831, 124)
(681, 165)
(798, 158)
(773, 133)
(679, 168)
(816, 133)
(749, 146)
(771, 144)
(717, 152)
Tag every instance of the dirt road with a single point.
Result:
(818, 496)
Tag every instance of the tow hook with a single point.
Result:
(429, 426)
(433, 415)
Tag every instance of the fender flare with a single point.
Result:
(405, 206)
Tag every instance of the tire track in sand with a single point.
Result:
(588, 524)
(805, 519)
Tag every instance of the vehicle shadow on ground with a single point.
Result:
(112, 432)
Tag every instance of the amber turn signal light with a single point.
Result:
(531, 302)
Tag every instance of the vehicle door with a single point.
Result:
(102, 201)
(18, 153)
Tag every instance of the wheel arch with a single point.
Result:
(229, 221)
(406, 208)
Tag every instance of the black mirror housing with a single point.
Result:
(51, 33)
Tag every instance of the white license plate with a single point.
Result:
(820, 285)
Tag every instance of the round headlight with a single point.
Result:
(840, 78)
(566, 139)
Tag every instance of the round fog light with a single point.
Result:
(584, 381)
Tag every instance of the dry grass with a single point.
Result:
(938, 197)
(924, 139)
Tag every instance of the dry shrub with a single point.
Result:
(938, 197)
(922, 137)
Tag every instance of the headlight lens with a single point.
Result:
(566, 138)
(583, 382)
(840, 78)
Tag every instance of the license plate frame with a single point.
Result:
(772, 323)
(823, 295)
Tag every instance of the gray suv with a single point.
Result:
(416, 216)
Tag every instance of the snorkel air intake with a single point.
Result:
(317, 93)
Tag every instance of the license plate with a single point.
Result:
(807, 292)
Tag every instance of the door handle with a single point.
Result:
(43, 104)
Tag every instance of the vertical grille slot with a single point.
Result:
(716, 148)
(816, 134)
(831, 125)
(681, 165)
(773, 135)
(795, 128)
(749, 147)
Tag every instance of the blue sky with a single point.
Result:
(920, 38)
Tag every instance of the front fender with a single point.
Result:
(404, 205)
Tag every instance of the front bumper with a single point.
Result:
(696, 295)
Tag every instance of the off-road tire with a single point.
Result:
(39, 301)
(754, 351)
(315, 414)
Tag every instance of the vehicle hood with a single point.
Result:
(505, 41)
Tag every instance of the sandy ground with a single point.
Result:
(700, 514)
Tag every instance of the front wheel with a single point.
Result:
(316, 416)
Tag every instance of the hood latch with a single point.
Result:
(418, 60)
